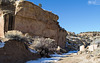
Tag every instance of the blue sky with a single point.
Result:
(74, 15)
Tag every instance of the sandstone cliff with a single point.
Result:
(32, 19)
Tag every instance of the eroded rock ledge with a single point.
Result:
(32, 19)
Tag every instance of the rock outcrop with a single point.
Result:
(90, 35)
(74, 41)
(1, 25)
(30, 18)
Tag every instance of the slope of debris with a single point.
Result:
(74, 41)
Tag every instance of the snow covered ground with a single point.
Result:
(2, 44)
(54, 58)
(33, 51)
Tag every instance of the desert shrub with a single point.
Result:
(43, 42)
(43, 46)
(14, 34)
(40, 5)
(19, 36)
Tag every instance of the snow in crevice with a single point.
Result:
(54, 58)
(2, 44)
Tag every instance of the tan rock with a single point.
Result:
(91, 48)
(80, 52)
(88, 57)
(95, 46)
(82, 48)
(29, 18)
(1, 25)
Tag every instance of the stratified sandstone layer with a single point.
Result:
(1, 25)
(32, 19)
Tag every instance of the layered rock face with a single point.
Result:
(1, 25)
(7, 10)
(31, 19)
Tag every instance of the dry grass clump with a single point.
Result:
(43, 45)
(42, 42)
(19, 36)
(14, 34)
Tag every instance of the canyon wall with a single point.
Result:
(32, 19)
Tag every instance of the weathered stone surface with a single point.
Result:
(62, 37)
(74, 41)
(30, 10)
(1, 25)
(91, 48)
(30, 18)
(82, 48)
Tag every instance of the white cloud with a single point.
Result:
(89, 2)
(94, 2)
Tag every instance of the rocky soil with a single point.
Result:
(83, 58)
(74, 41)
(15, 52)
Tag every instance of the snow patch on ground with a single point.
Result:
(33, 51)
(54, 58)
(2, 44)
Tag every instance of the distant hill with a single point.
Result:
(92, 33)
(74, 41)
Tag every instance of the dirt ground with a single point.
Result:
(82, 58)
